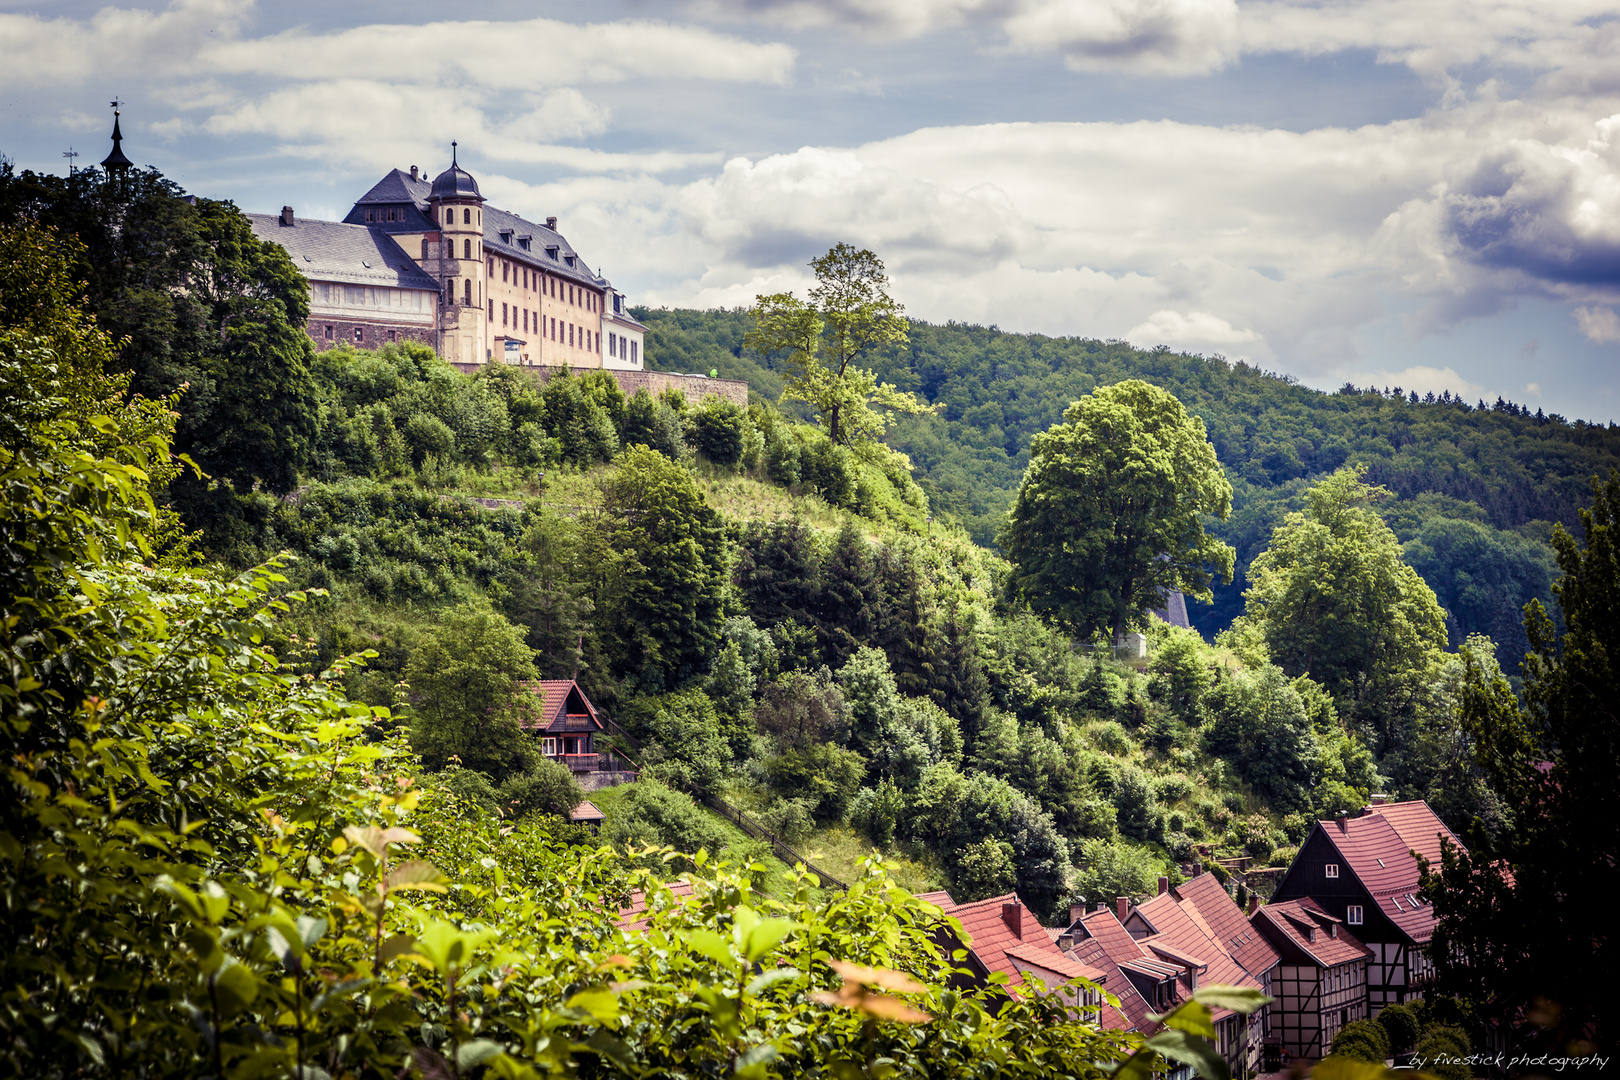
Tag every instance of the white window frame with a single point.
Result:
(1331, 869)
(1352, 915)
(548, 746)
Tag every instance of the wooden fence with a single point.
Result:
(778, 846)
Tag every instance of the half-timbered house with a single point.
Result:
(1321, 982)
(1362, 870)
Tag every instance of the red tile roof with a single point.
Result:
(1226, 925)
(1104, 944)
(997, 946)
(1179, 935)
(630, 917)
(1382, 861)
(1291, 919)
(939, 898)
(586, 811)
(1418, 827)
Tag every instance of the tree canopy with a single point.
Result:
(1110, 515)
(849, 314)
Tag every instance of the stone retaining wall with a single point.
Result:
(654, 382)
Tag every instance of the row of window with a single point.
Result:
(390, 213)
(360, 334)
(551, 746)
(624, 348)
(466, 216)
(550, 286)
(561, 332)
(330, 295)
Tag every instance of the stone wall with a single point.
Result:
(364, 333)
(654, 382)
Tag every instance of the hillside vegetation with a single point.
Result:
(1477, 486)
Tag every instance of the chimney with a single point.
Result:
(1344, 828)
(415, 173)
(287, 216)
(1380, 800)
(551, 223)
(1013, 915)
(1122, 905)
(1254, 903)
(1164, 885)
(1077, 912)
(1198, 868)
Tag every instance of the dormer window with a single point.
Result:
(506, 236)
(1331, 869)
(552, 249)
(525, 241)
(569, 259)
(371, 215)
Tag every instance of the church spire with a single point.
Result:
(116, 162)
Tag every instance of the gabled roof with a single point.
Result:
(586, 811)
(1418, 827)
(1180, 937)
(1289, 921)
(1133, 1007)
(397, 187)
(1000, 948)
(1223, 920)
(1382, 862)
(554, 695)
(349, 254)
(940, 899)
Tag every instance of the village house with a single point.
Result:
(1321, 983)
(1363, 870)
(1005, 936)
(568, 728)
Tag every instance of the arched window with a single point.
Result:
(449, 217)
(450, 295)
(466, 217)
(468, 293)
(424, 250)
(466, 249)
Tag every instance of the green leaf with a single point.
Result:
(762, 982)
(477, 1052)
(1191, 1050)
(611, 1048)
(1192, 1017)
(712, 945)
(599, 1001)
(1240, 999)
(765, 936)
(237, 988)
(415, 874)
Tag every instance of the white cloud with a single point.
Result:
(1157, 37)
(1193, 328)
(115, 41)
(1600, 324)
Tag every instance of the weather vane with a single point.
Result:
(116, 103)
(70, 154)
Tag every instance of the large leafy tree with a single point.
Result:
(1525, 914)
(848, 315)
(662, 577)
(1110, 514)
(195, 300)
(1331, 597)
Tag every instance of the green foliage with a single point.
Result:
(1331, 598)
(466, 699)
(1258, 722)
(1110, 869)
(719, 427)
(1518, 941)
(1400, 1027)
(848, 314)
(661, 580)
(1483, 578)
(984, 869)
(549, 787)
(1363, 1040)
(825, 777)
(653, 815)
(1110, 512)
(1179, 673)
(651, 422)
(684, 744)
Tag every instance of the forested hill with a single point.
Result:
(1504, 469)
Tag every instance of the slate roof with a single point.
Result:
(1223, 921)
(339, 252)
(1382, 862)
(553, 695)
(1288, 922)
(1174, 611)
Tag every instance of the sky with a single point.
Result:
(1383, 192)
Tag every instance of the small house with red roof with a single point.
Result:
(1005, 936)
(1363, 870)
(568, 727)
(1321, 983)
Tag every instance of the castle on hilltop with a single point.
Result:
(433, 262)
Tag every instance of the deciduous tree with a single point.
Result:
(1111, 511)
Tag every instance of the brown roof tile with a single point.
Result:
(1226, 924)
(1290, 919)
(1382, 861)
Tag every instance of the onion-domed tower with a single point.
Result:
(458, 209)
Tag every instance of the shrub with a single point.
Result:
(548, 788)
(1362, 1040)
(1110, 737)
(1400, 1027)
(984, 869)
(718, 429)
(790, 819)
(426, 435)
(1113, 869)
(827, 776)
(652, 814)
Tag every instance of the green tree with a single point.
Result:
(1520, 915)
(662, 578)
(466, 697)
(1179, 674)
(719, 426)
(1111, 869)
(1332, 598)
(1258, 722)
(1110, 512)
(549, 787)
(848, 314)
